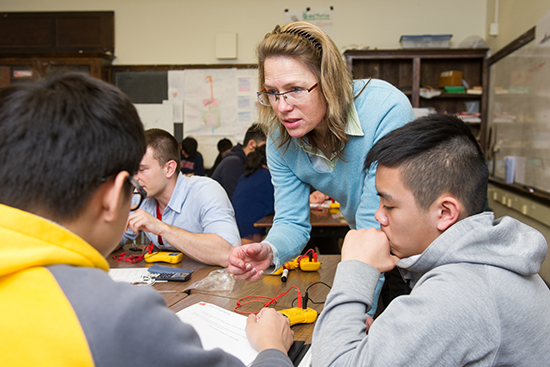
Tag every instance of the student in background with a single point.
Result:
(476, 298)
(232, 165)
(189, 214)
(59, 219)
(224, 146)
(253, 196)
(191, 159)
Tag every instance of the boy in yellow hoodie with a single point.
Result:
(69, 145)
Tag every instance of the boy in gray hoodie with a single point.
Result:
(476, 297)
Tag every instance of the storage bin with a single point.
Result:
(426, 41)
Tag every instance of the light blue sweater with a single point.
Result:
(381, 108)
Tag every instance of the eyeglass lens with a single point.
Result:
(136, 200)
(291, 97)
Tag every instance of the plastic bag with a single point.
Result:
(217, 281)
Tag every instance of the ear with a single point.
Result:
(251, 145)
(114, 196)
(449, 211)
(171, 168)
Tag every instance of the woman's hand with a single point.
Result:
(269, 329)
(317, 197)
(249, 261)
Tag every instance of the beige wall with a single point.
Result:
(183, 31)
(515, 17)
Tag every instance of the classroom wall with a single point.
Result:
(184, 31)
(515, 17)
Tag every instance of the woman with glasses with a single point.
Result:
(320, 126)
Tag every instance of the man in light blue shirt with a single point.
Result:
(189, 214)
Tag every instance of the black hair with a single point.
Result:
(255, 133)
(255, 161)
(224, 145)
(60, 137)
(165, 146)
(437, 154)
(189, 146)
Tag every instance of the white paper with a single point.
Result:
(306, 360)
(321, 17)
(156, 116)
(176, 85)
(247, 109)
(128, 275)
(210, 102)
(542, 31)
(219, 328)
(177, 108)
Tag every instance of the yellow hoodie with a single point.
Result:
(37, 319)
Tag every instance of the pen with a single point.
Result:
(167, 291)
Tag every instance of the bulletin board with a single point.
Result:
(207, 102)
(519, 116)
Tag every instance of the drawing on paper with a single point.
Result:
(211, 115)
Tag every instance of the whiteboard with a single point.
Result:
(159, 116)
(519, 116)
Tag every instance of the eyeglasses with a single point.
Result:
(292, 97)
(138, 194)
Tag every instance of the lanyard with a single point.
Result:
(159, 217)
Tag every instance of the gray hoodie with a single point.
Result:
(477, 300)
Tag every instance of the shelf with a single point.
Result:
(412, 69)
(457, 96)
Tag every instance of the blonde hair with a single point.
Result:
(311, 46)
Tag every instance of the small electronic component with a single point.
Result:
(168, 273)
(178, 277)
(305, 262)
(164, 256)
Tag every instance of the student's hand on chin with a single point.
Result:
(370, 246)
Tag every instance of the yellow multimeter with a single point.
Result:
(298, 315)
(307, 264)
(164, 256)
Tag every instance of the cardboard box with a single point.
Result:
(451, 78)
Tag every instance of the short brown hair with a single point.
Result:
(165, 146)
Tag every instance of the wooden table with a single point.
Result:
(326, 229)
(268, 285)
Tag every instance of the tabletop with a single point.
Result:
(268, 286)
(317, 217)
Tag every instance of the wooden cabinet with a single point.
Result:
(34, 42)
(410, 70)
(15, 67)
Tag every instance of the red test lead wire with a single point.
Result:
(262, 300)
